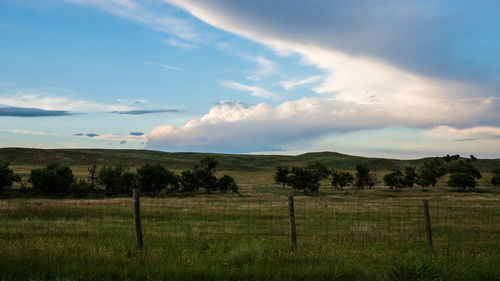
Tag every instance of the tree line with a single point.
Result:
(463, 175)
(111, 180)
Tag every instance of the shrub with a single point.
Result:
(51, 180)
(7, 177)
(80, 188)
(226, 183)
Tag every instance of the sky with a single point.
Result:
(385, 78)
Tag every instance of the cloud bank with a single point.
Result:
(31, 112)
(394, 64)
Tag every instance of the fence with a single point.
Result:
(341, 221)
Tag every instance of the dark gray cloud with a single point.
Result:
(123, 142)
(447, 38)
(145, 111)
(465, 139)
(136, 133)
(91, 135)
(30, 112)
(78, 134)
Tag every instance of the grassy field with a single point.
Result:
(374, 234)
(367, 235)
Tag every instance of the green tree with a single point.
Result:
(410, 176)
(363, 178)
(394, 179)
(51, 180)
(226, 183)
(461, 180)
(114, 181)
(304, 178)
(80, 188)
(93, 176)
(495, 180)
(154, 178)
(7, 177)
(188, 181)
(281, 175)
(205, 172)
(463, 174)
(430, 172)
(341, 179)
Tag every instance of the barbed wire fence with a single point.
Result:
(342, 221)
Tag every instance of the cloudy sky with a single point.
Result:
(398, 78)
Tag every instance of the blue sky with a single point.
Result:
(398, 79)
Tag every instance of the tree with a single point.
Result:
(430, 172)
(226, 183)
(410, 176)
(461, 180)
(151, 179)
(341, 179)
(463, 174)
(7, 177)
(92, 176)
(80, 188)
(304, 178)
(281, 175)
(114, 181)
(394, 179)
(51, 180)
(495, 180)
(188, 181)
(205, 172)
(363, 178)
(320, 169)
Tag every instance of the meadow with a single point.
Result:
(370, 234)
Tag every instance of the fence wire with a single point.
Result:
(342, 221)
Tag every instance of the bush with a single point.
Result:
(80, 188)
(226, 183)
(7, 177)
(52, 180)
(116, 180)
(363, 178)
(154, 178)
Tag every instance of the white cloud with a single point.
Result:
(265, 69)
(230, 127)
(52, 102)
(164, 65)
(484, 133)
(253, 90)
(362, 88)
(139, 12)
(290, 84)
(179, 44)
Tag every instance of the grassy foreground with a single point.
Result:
(369, 235)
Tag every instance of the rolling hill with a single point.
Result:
(229, 162)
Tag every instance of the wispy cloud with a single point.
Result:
(91, 135)
(51, 102)
(179, 44)
(164, 65)
(136, 133)
(146, 111)
(31, 112)
(253, 90)
(265, 69)
(30, 132)
(290, 84)
(140, 13)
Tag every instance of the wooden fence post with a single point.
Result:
(428, 229)
(137, 218)
(292, 221)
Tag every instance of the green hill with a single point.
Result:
(182, 160)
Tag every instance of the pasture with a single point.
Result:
(372, 234)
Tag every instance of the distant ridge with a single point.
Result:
(182, 160)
